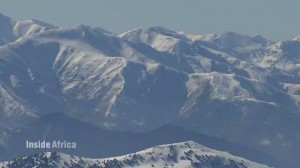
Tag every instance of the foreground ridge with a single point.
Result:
(181, 155)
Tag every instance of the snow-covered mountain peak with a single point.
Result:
(296, 38)
(284, 55)
(11, 30)
(205, 37)
(79, 33)
(26, 27)
(155, 30)
(232, 36)
(198, 37)
(234, 40)
(159, 38)
(83, 27)
(260, 39)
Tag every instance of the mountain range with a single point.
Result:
(242, 89)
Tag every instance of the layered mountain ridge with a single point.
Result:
(243, 89)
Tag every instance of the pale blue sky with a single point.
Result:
(274, 19)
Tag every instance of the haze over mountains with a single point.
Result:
(245, 90)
